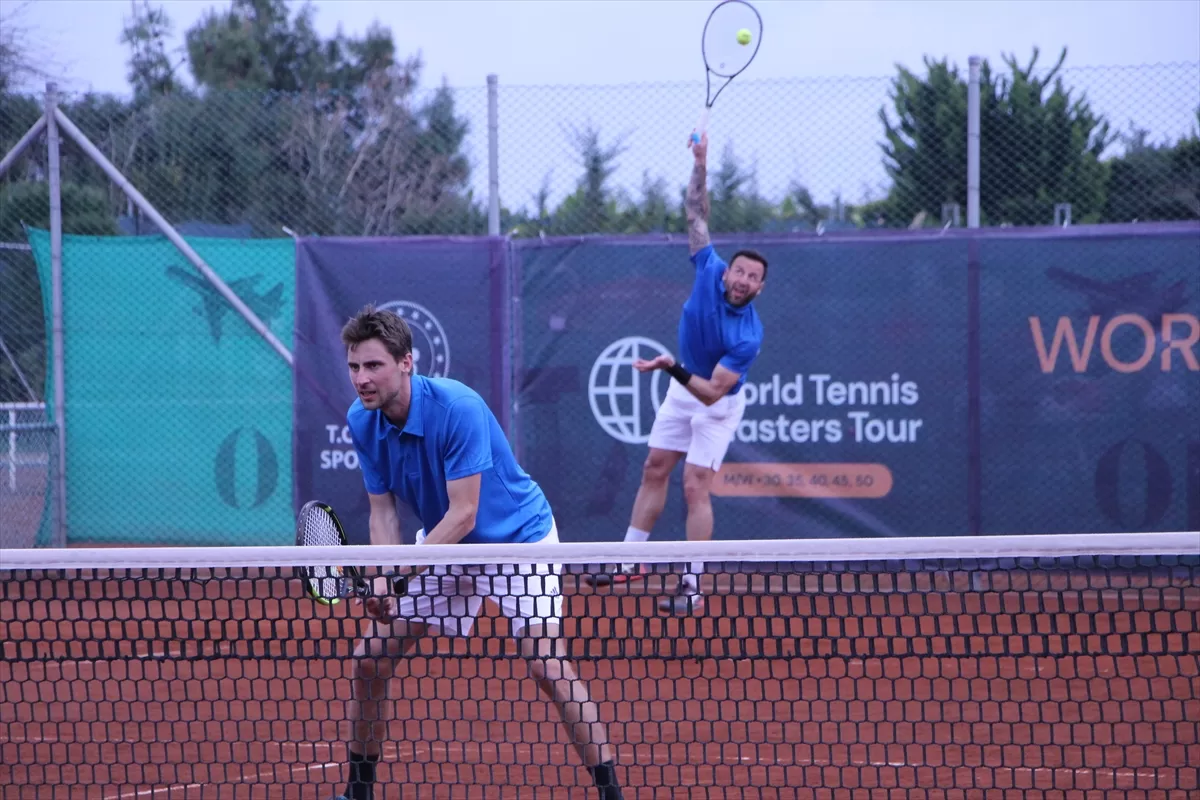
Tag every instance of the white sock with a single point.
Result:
(691, 578)
(633, 534)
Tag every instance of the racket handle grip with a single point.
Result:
(701, 127)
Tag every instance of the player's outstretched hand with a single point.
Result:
(662, 362)
(700, 149)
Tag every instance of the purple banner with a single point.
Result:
(453, 292)
(911, 384)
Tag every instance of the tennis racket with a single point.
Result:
(318, 525)
(725, 57)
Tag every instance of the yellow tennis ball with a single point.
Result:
(744, 36)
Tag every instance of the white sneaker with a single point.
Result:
(687, 600)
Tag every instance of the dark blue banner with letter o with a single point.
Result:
(454, 295)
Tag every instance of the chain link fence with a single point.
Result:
(784, 156)
(1087, 145)
(1079, 145)
(26, 431)
(27, 456)
(150, 342)
(1090, 145)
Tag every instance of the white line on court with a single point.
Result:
(132, 795)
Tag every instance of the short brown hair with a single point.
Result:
(381, 324)
(753, 255)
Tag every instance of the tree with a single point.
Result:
(800, 211)
(597, 207)
(151, 71)
(655, 213)
(1185, 172)
(21, 60)
(436, 154)
(18, 113)
(399, 171)
(1043, 146)
(255, 45)
(1155, 182)
(85, 210)
(593, 206)
(285, 128)
(926, 151)
(737, 206)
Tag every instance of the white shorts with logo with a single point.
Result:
(448, 597)
(704, 433)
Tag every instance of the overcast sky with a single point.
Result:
(797, 111)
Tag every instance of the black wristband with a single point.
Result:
(680, 374)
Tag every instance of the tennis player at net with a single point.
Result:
(720, 335)
(434, 444)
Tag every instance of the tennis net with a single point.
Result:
(1031, 667)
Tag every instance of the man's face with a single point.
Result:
(743, 280)
(377, 376)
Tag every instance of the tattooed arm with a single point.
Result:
(696, 203)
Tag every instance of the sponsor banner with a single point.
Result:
(452, 293)
(914, 385)
(1090, 383)
(178, 415)
(856, 411)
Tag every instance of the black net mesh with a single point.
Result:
(1072, 677)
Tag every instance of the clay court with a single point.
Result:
(946, 683)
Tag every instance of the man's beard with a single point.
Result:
(729, 299)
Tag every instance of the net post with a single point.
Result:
(493, 102)
(973, 143)
(56, 304)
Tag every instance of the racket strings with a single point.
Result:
(319, 530)
(723, 54)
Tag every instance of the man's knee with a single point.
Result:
(376, 653)
(370, 667)
(539, 644)
(658, 466)
(697, 484)
(551, 670)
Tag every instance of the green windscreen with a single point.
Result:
(178, 415)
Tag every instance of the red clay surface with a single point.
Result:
(818, 686)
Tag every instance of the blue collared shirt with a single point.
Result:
(711, 330)
(450, 434)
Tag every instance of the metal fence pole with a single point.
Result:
(20, 147)
(60, 469)
(493, 156)
(172, 235)
(12, 449)
(973, 144)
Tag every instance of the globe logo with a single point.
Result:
(624, 401)
(431, 350)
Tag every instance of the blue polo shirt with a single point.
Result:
(450, 433)
(711, 330)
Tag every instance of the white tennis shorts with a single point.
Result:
(448, 597)
(704, 433)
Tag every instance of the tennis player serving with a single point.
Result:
(720, 335)
(434, 444)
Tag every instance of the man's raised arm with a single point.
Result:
(696, 202)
